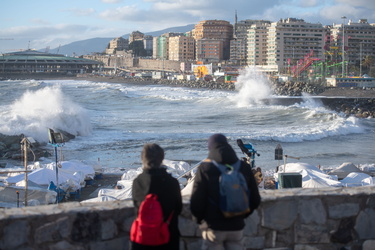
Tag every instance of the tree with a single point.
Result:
(137, 48)
(367, 62)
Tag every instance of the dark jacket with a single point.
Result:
(161, 183)
(205, 195)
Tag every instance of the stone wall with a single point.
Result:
(296, 218)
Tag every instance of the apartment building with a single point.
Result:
(214, 30)
(209, 50)
(161, 45)
(117, 44)
(238, 46)
(359, 40)
(148, 45)
(257, 43)
(291, 40)
(181, 48)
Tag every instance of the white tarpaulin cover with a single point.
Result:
(41, 176)
(35, 195)
(358, 179)
(72, 175)
(124, 186)
(344, 169)
(75, 166)
(312, 176)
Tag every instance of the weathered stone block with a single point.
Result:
(126, 225)
(280, 215)
(311, 233)
(109, 229)
(251, 224)
(254, 242)
(312, 211)
(63, 245)
(365, 224)
(122, 243)
(343, 210)
(368, 245)
(14, 235)
(53, 231)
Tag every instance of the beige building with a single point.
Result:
(181, 48)
(117, 44)
(136, 36)
(214, 30)
(292, 40)
(238, 46)
(359, 40)
(161, 45)
(257, 45)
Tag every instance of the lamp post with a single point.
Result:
(360, 59)
(343, 46)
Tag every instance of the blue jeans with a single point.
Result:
(220, 240)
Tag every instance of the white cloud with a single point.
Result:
(105, 20)
(111, 1)
(122, 13)
(80, 12)
(39, 21)
(369, 4)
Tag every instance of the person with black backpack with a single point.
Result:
(224, 194)
(158, 203)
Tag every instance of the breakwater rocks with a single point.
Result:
(349, 101)
(10, 149)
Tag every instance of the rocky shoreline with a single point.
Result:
(349, 101)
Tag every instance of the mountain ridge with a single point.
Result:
(99, 44)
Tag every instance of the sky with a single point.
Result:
(40, 24)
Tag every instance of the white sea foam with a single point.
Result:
(125, 116)
(252, 87)
(36, 111)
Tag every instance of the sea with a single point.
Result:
(112, 121)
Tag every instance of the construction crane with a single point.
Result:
(6, 38)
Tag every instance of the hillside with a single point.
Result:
(85, 47)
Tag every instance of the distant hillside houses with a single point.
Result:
(288, 46)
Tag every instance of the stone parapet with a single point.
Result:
(331, 218)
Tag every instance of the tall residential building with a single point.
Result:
(117, 44)
(148, 45)
(257, 36)
(181, 48)
(359, 40)
(161, 45)
(291, 40)
(238, 46)
(209, 50)
(214, 30)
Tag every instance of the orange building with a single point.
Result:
(214, 30)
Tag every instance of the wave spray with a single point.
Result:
(252, 86)
(45, 108)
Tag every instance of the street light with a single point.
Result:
(360, 59)
(343, 46)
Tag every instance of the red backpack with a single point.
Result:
(149, 228)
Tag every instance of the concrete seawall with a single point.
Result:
(296, 218)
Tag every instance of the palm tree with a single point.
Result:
(367, 62)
